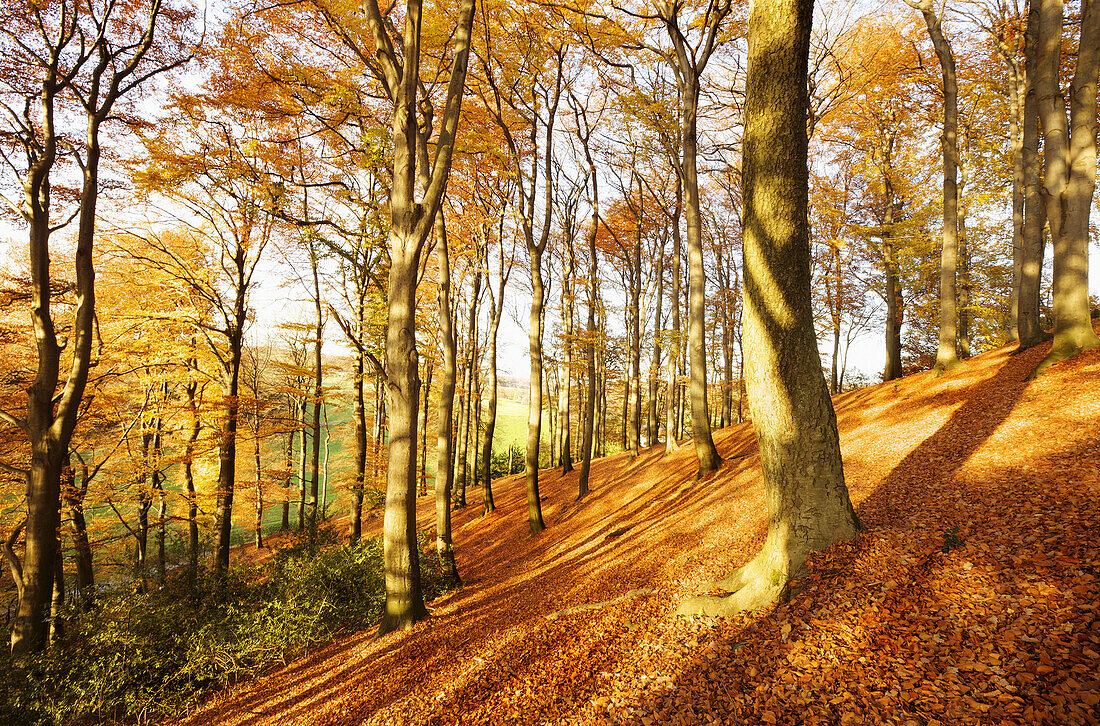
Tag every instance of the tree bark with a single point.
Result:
(671, 429)
(1034, 221)
(946, 354)
(808, 504)
(534, 407)
(444, 471)
(1069, 163)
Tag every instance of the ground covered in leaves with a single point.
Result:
(973, 596)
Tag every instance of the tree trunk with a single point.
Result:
(355, 520)
(671, 429)
(655, 361)
(227, 454)
(404, 599)
(258, 534)
(444, 544)
(302, 463)
(565, 371)
(189, 485)
(1034, 222)
(315, 454)
(534, 407)
(1069, 163)
(705, 452)
(82, 548)
(422, 475)
(808, 504)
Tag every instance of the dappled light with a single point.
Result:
(971, 596)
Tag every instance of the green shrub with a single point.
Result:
(145, 655)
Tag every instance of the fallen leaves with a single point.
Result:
(887, 628)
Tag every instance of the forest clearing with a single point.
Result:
(970, 598)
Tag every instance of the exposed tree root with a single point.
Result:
(1061, 352)
(761, 582)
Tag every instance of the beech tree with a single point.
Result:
(396, 64)
(1069, 169)
(63, 61)
(946, 355)
(793, 417)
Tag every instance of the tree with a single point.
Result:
(1069, 170)
(689, 62)
(66, 60)
(411, 222)
(946, 355)
(793, 417)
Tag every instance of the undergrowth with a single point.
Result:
(138, 657)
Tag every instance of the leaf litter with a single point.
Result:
(972, 596)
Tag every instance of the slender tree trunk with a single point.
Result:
(444, 544)
(82, 548)
(808, 504)
(655, 361)
(565, 371)
(189, 486)
(1016, 94)
(288, 459)
(946, 355)
(587, 438)
(1034, 222)
(302, 459)
(534, 408)
(491, 419)
(315, 454)
(355, 520)
(707, 454)
(422, 476)
(895, 304)
(259, 526)
(672, 430)
(227, 454)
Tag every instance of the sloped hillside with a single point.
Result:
(572, 627)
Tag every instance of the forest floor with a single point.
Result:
(573, 626)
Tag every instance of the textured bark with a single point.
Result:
(895, 304)
(1069, 165)
(808, 504)
(705, 451)
(410, 224)
(189, 484)
(497, 312)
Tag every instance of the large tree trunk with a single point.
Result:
(404, 599)
(534, 405)
(895, 304)
(808, 504)
(1069, 163)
